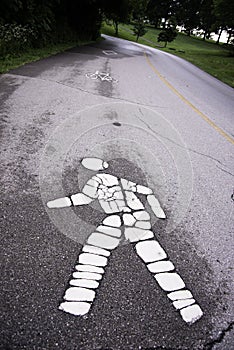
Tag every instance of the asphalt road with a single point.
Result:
(164, 124)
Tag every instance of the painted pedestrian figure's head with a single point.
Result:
(94, 164)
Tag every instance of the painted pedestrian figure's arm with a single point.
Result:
(155, 206)
(152, 200)
(88, 194)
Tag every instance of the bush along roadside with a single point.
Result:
(22, 44)
(15, 38)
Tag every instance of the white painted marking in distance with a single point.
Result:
(92, 259)
(179, 304)
(191, 313)
(109, 52)
(84, 283)
(161, 266)
(150, 251)
(79, 294)
(169, 281)
(95, 250)
(76, 308)
(87, 275)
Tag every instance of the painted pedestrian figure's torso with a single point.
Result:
(114, 195)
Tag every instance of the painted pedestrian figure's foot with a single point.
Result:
(126, 219)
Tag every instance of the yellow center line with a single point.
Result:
(202, 115)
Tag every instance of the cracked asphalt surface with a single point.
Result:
(52, 116)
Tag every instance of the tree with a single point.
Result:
(224, 12)
(139, 29)
(138, 10)
(161, 9)
(187, 14)
(167, 35)
(153, 14)
(116, 10)
(206, 17)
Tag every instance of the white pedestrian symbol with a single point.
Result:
(126, 216)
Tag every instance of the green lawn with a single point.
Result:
(212, 58)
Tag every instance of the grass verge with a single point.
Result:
(210, 57)
(30, 55)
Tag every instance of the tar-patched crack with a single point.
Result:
(220, 337)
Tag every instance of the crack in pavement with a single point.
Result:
(220, 337)
(225, 171)
(89, 92)
(139, 104)
(186, 148)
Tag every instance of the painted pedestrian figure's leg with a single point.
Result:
(90, 267)
(158, 263)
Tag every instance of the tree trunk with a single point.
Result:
(165, 44)
(156, 25)
(116, 25)
(220, 33)
(229, 37)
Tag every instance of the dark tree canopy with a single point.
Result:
(55, 20)
(116, 10)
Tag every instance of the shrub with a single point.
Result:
(167, 35)
(14, 38)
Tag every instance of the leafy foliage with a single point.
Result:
(116, 10)
(139, 29)
(14, 38)
(37, 23)
(167, 35)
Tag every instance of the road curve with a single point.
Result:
(159, 121)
